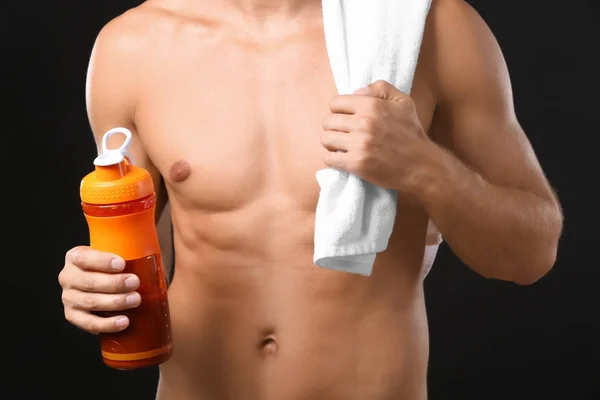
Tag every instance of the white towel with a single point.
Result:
(367, 40)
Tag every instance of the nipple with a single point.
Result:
(112, 164)
(179, 171)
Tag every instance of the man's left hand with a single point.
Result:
(376, 134)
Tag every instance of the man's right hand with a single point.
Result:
(92, 282)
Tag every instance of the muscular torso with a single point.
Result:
(232, 124)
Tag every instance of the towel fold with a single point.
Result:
(367, 40)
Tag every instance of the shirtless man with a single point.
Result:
(233, 108)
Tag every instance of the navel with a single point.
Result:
(268, 346)
(179, 171)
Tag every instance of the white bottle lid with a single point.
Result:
(114, 156)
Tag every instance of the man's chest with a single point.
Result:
(245, 120)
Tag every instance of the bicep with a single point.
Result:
(475, 116)
(111, 93)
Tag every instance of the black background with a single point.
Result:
(489, 340)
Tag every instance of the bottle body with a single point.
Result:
(128, 230)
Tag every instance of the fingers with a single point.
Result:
(382, 90)
(95, 324)
(351, 104)
(342, 130)
(98, 282)
(335, 141)
(93, 260)
(88, 270)
(91, 282)
(339, 122)
(345, 123)
(337, 160)
(85, 301)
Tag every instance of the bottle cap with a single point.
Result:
(115, 178)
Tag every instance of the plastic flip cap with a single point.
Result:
(115, 156)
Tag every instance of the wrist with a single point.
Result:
(437, 177)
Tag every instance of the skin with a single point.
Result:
(233, 128)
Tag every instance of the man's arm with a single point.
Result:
(113, 85)
(486, 191)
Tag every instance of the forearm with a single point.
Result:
(501, 233)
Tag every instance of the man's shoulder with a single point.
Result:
(446, 13)
(143, 31)
(122, 50)
(129, 33)
(454, 33)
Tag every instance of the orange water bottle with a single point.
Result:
(118, 201)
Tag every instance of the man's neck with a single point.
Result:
(252, 11)
(267, 9)
(260, 17)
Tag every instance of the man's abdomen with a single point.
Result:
(273, 326)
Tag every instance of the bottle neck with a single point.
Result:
(113, 172)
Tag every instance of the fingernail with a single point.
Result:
(117, 264)
(132, 282)
(122, 322)
(133, 299)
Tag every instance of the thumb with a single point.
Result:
(382, 90)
